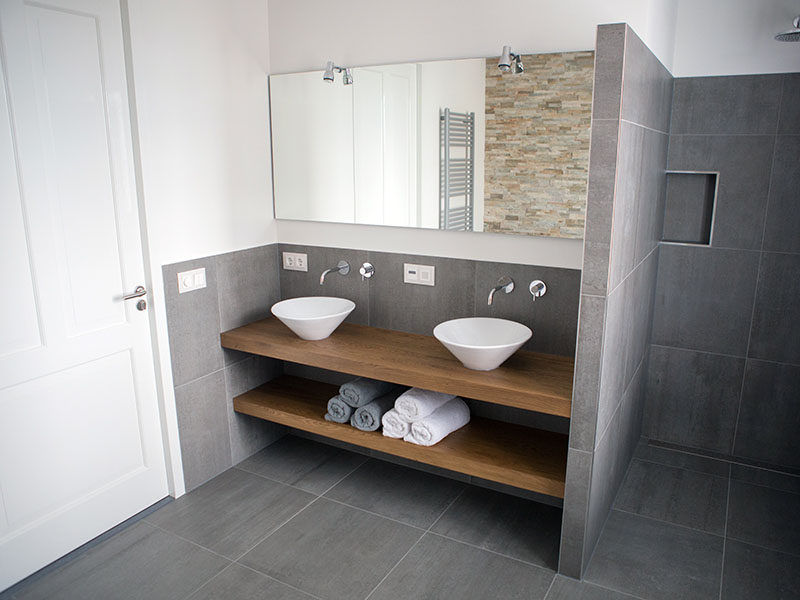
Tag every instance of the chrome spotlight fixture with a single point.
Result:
(792, 35)
(331, 69)
(508, 60)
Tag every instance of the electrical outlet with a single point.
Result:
(419, 274)
(295, 261)
(191, 280)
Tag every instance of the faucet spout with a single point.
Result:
(504, 284)
(343, 268)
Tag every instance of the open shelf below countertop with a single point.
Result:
(527, 380)
(514, 455)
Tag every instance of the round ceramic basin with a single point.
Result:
(482, 343)
(313, 317)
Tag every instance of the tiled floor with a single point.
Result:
(306, 520)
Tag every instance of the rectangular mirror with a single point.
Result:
(453, 144)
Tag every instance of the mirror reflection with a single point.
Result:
(455, 144)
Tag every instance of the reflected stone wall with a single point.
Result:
(537, 145)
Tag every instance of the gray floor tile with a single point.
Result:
(306, 464)
(141, 562)
(764, 517)
(675, 495)
(438, 568)
(397, 492)
(232, 512)
(333, 551)
(766, 478)
(751, 572)
(656, 560)
(512, 526)
(240, 583)
(565, 588)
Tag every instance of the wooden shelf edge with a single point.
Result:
(529, 381)
(513, 455)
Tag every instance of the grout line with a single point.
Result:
(197, 589)
(193, 543)
(725, 535)
(278, 580)
(700, 134)
(385, 577)
(276, 528)
(662, 521)
(374, 514)
(635, 124)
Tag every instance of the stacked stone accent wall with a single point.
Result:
(537, 145)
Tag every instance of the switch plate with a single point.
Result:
(191, 280)
(419, 274)
(295, 261)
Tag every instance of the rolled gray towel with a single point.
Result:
(362, 391)
(339, 411)
(368, 417)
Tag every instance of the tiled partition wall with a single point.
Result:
(630, 120)
(724, 372)
(243, 285)
(240, 287)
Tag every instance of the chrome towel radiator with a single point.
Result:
(456, 170)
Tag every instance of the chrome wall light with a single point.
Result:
(331, 68)
(508, 60)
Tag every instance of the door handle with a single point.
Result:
(137, 293)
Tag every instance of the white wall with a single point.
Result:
(199, 77)
(303, 35)
(734, 37)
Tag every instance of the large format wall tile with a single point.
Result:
(789, 121)
(610, 48)
(193, 323)
(704, 298)
(693, 398)
(553, 318)
(203, 425)
(248, 285)
(586, 385)
(646, 86)
(776, 319)
(295, 284)
(419, 308)
(576, 506)
(652, 191)
(743, 163)
(783, 210)
(738, 104)
(769, 417)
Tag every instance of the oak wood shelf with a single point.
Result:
(527, 380)
(514, 455)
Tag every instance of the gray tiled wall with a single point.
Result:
(240, 287)
(725, 365)
(627, 182)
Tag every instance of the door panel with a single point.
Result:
(80, 438)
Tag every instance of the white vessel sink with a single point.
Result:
(313, 317)
(482, 343)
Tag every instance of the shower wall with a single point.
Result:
(724, 374)
(625, 207)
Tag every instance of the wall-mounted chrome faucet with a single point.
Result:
(367, 271)
(343, 268)
(504, 284)
(537, 288)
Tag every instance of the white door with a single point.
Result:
(80, 438)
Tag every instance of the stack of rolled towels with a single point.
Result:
(362, 402)
(424, 417)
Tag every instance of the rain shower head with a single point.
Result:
(792, 35)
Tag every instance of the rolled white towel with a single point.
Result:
(394, 426)
(435, 427)
(416, 403)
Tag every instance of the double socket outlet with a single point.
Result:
(295, 261)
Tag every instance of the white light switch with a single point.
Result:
(191, 280)
(419, 274)
(295, 261)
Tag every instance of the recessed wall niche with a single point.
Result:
(689, 206)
